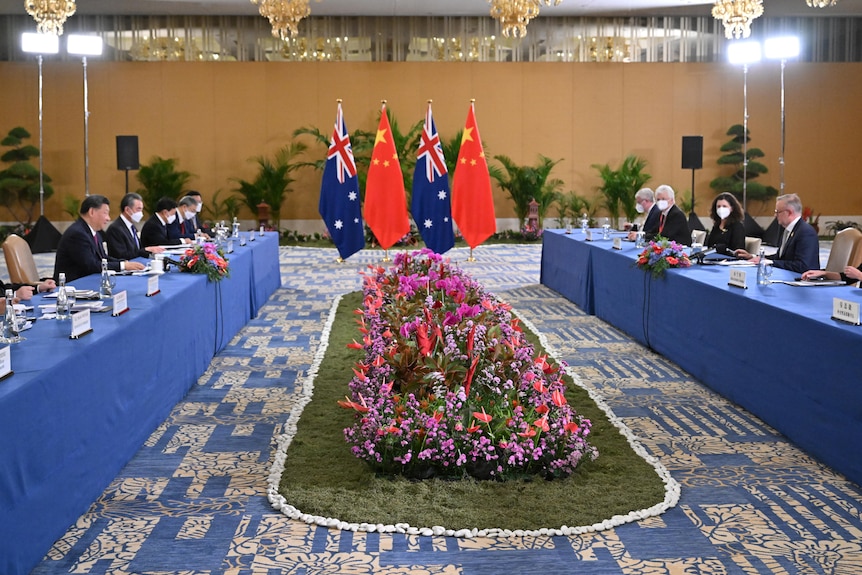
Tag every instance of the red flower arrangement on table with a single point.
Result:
(449, 386)
(661, 254)
(205, 259)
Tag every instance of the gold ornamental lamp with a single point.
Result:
(50, 15)
(737, 16)
(283, 15)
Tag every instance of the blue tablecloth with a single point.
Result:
(75, 411)
(772, 349)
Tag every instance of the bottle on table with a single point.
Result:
(105, 286)
(763, 270)
(62, 298)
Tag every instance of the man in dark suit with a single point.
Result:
(645, 204)
(672, 223)
(81, 249)
(155, 231)
(122, 235)
(799, 248)
(184, 226)
(197, 222)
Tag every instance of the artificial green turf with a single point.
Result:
(321, 477)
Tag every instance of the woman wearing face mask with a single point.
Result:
(728, 231)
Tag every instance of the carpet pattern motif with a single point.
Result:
(193, 500)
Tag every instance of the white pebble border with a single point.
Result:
(672, 488)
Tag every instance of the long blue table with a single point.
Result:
(75, 411)
(772, 349)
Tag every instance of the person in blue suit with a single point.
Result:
(799, 248)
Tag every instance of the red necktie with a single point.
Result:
(661, 224)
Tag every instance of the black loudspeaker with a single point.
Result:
(127, 153)
(692, 152)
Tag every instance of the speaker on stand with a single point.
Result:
(692, 159)
(127, 155)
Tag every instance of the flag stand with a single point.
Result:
(339, 260)
(386, 257)
(471, 258)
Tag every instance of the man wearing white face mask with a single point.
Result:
(672, 222)
(155, 231)
(645, 204)
(122, 236)
(197, 221)
(184, 227)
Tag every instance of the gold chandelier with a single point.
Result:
(514, 15)
(737, 16)
(283, 15)
(50, 15)
(821, 3)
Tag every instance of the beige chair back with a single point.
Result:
(699, 236)
(752, 245)
(856, 256)
(843, 248)
(19, 261)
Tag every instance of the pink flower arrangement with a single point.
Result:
(662, 254)
(205, 259)
(449, 386)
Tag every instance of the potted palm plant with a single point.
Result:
(273, 179)
(527, 183)
(161, 179)
(619, 186)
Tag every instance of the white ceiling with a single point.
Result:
(441, 7)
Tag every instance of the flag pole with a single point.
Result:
(386, 257)
(471, 258)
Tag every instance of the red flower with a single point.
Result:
(539, 386)
(483, 417)
(529, 433)
(558, 398)
(542, 423)
(473, 428)
(354, 345)
(543, 409)
(423, 340)
(672, 260)
(571, 427)
(346, 403)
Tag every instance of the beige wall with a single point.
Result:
(212, 117)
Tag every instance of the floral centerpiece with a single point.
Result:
(449, 386)
(661, 254)
(205, 259)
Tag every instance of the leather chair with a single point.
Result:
(844, 248)
(19, 261)
(752, 245)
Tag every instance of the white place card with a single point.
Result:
(6, 362)
(152, 285)
(121, 303)
(844, 310)
(589, 237)
(618, 243)
(737, 279)
(261, 231)
(80, 324)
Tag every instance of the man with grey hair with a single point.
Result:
(672, 223)
(645, 204)
(799, 250)
(122, 236)
(183, 226)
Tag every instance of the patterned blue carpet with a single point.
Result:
(193, 500)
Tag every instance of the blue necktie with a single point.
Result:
(135, 236)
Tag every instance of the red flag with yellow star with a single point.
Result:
(472, 201)
(385, 200)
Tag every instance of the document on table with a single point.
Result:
(804, 283)
(739, 263)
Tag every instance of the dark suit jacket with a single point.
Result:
(198, 224)
(180, 229)
(78, 255)
(156, 234)
(675, 227)
(802, 251)
(121, 244)
(651, 221)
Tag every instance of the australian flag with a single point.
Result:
(339, 194)
(431, 206)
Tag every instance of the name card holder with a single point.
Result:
(80, 324)
(121, 304)
(152, 286)
(846, 311)
(242, 240)
(589, 236)
(618, 243)
(6, 362)
(737, 279)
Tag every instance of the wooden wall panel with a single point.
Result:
(214, 116)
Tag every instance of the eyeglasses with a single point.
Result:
(779, 211)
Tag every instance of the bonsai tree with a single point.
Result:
(619, 186)
(527, 183)
(273, 179)
(19, 182)
(733, 157)
(161, 178)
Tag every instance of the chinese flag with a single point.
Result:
(472, 202)
(385, 200)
